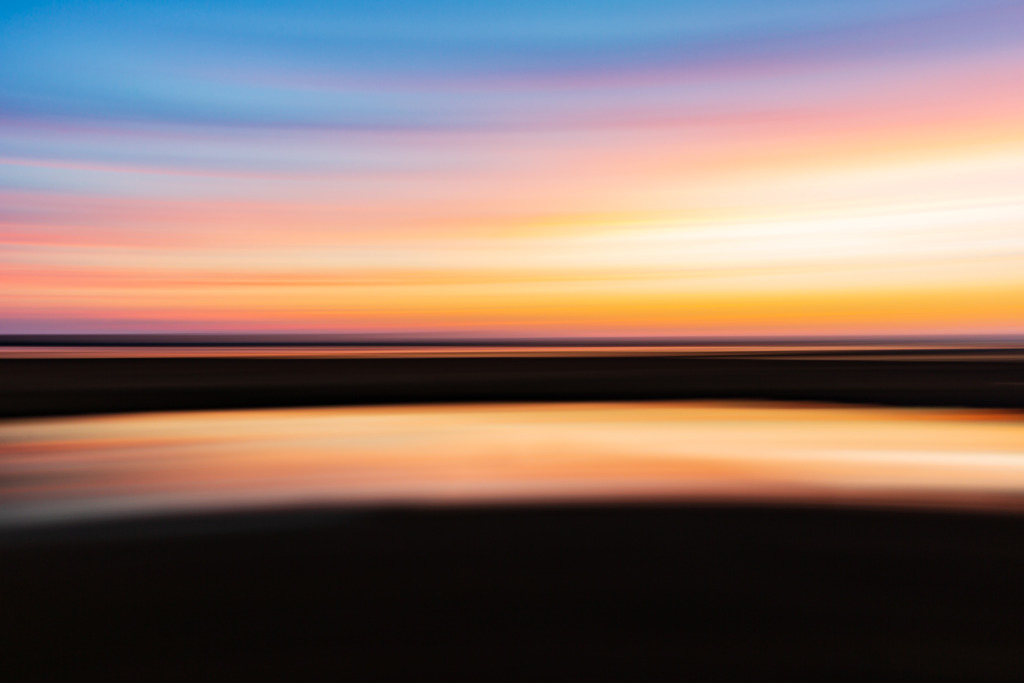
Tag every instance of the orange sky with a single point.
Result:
(795, 182)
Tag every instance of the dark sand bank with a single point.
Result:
(63, 386)
(611, 593)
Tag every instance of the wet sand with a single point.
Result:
(67, 386)
(524, 593)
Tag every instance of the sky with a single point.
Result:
(513, 168)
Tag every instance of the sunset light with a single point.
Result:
(513, 169)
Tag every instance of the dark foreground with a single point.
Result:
(67, 386)
(580, 593)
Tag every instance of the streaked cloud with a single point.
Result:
(810, 166)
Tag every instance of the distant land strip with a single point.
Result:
(35, 387)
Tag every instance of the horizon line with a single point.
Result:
(298, 340)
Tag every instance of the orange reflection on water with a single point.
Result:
(64, 468)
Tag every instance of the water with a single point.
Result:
(63, 469)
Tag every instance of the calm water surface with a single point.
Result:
(55, 470)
